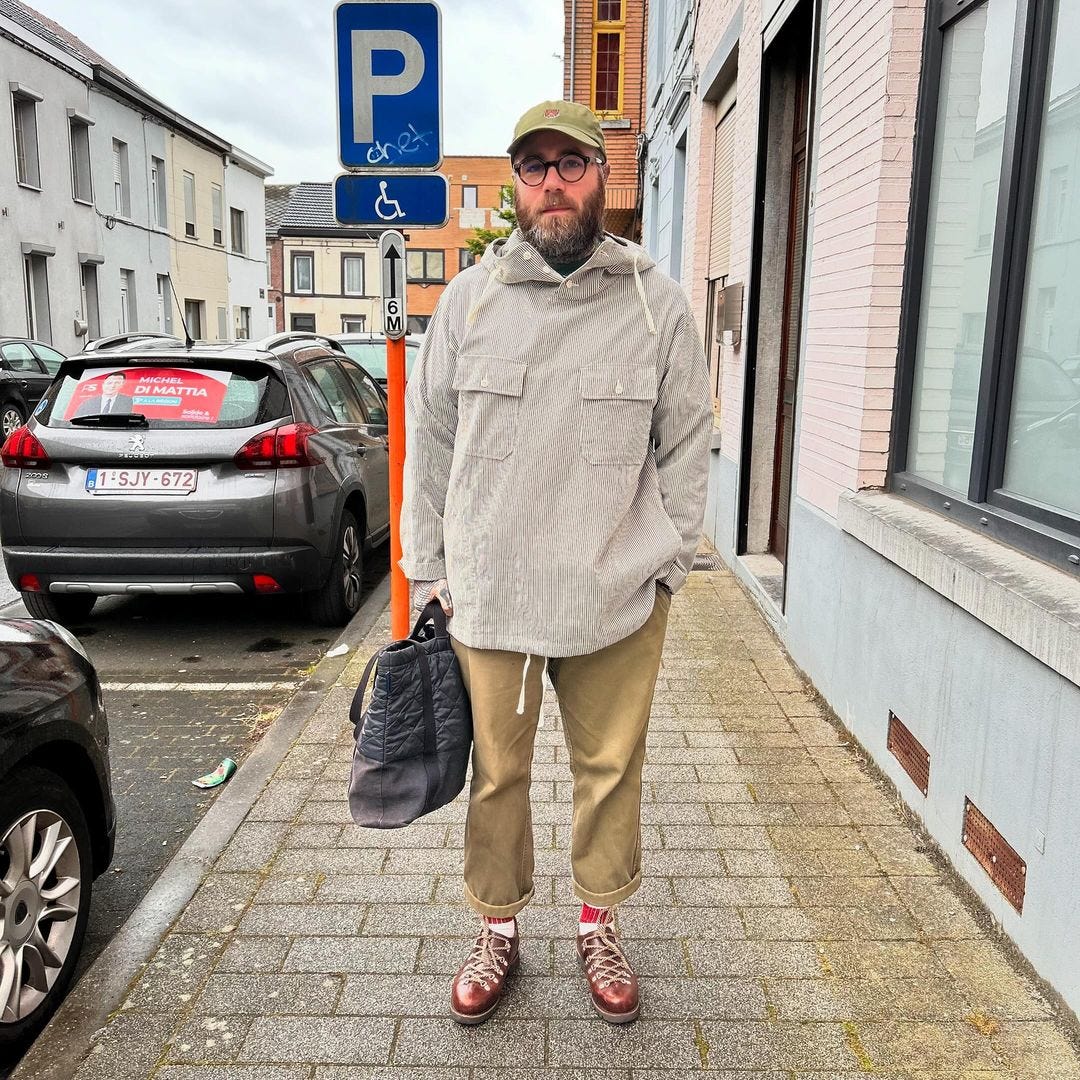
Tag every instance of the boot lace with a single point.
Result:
(605, 962)
(488, 960)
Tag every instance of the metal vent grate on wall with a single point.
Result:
(1005, 867)
(911, 753)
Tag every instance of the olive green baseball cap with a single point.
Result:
(577, 121)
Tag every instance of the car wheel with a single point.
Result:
(46, 879)
(11, 418)
(339, 598)
(63, 608)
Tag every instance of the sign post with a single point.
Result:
(389, 80)
(392, 253)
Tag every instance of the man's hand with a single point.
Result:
(423, 591)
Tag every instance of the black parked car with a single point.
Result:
(26, 369)
(57, 820)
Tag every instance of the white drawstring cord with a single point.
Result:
(492, 277)
(524, 676)
(644, 300)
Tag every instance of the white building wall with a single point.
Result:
(48, 220)
(134, 243)
(248, 276)
(664, 230)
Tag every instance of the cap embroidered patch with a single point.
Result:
(550, 114)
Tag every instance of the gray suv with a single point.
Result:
(154, 468)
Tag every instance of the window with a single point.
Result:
(333, 390)
(88, 294)
(157, 193)
(304, 323)
(609, 29)
(82, 185)
(38, 315)
(353, 324)
(193, 318)
(469, 197)
(303, 273)
(990, 430)
(24, 109)
(370, 398)
(243, 323)
(121, 179)
(222, 323)
(417, 324)
(238, 230)
(128, 309)
(18, 357)
(218, 214)
(352, 275)
(269, 268)
(189, 205)
(426, 266)
(50, 358)
(465, 259)
(164, 303)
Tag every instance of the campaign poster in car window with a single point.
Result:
(188, 395)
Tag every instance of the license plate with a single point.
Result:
(141, 481)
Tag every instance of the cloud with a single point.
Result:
(261, 74)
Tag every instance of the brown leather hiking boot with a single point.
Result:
(612, 982)
(479, 985)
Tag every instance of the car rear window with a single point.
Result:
(168, 396)
(371, 356)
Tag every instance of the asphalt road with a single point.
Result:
(186, 682)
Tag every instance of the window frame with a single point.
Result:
(1048, 534)
(121, 162)
(237, 216)
(217, 214)
(293, 256)
(83, 198)
(426, 278)
(618, 28)
(345, 257)
(160, 207)
(465, 259)
(475, 189)
(23, 98)
(191, 224)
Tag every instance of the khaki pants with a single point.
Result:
(605, 699)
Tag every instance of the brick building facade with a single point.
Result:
(604, 68)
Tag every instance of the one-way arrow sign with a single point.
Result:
(392, 251)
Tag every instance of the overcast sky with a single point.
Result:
(260, 73)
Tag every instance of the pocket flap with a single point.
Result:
(490, 374)
(634, 384)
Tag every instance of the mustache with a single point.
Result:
(556, 204)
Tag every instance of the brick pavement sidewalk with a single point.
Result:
(791, 924)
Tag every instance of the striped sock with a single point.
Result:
(506, 927)
(592, 917)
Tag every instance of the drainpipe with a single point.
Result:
(573, 45)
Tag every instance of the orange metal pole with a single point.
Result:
(399, 585)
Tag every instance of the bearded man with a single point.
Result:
(558, 425)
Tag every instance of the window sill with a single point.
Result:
(82, 202)
(1035, 606)
(28, 187)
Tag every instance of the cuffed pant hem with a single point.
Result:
(497, 911)
(608, 899)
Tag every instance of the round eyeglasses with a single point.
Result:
(532, 171)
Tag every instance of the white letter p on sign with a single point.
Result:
(368, 86)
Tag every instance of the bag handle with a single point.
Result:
(356, 710)
(434, 613)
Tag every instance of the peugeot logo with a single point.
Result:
(138, 442)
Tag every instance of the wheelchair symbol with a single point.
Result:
(391, 205)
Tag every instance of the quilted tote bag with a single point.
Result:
(414, 737)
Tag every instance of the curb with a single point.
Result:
(61, 1048)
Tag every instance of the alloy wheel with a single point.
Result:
(352, 568)
(40, 888)
(10, 420)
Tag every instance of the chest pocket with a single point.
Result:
(616, 414)
(489, 397)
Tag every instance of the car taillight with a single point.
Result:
(22, 450)
(285, 447)
(30, 583)
(264, 583)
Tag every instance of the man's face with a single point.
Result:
(561, 220)
(113, 384)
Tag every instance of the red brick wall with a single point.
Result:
(277, 281)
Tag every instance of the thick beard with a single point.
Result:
(564, 240)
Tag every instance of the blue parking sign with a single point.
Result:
(389, 78)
